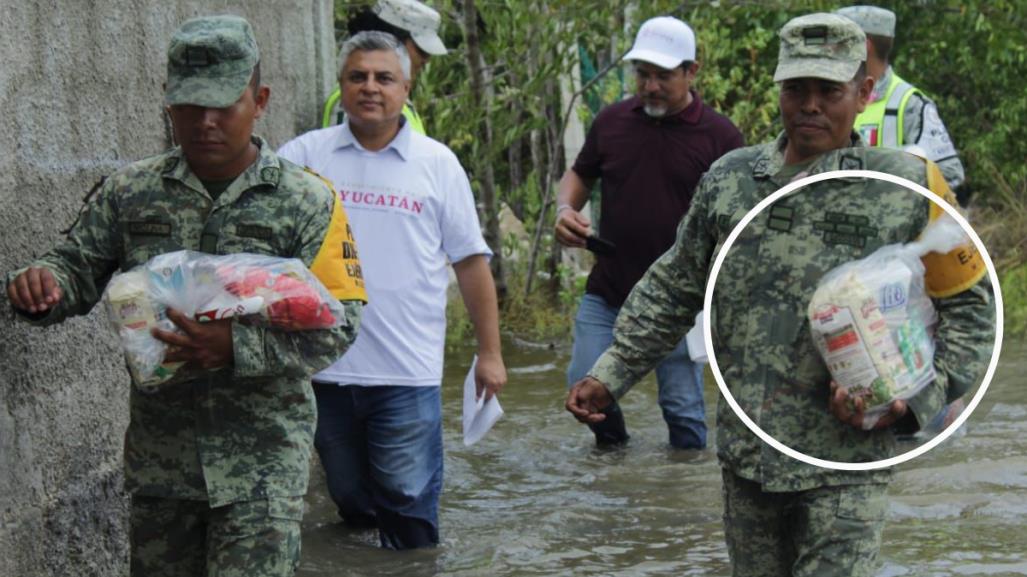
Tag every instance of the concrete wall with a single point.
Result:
(80, 96)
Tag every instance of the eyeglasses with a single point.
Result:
(661, 76)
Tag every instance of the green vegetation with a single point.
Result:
(966, 54)
(1004, 232)
(536, 316)
(1014, 293)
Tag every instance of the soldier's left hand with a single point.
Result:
(489, 375)
(204, 345)
(587, 399)
(852, 411)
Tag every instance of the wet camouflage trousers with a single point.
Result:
(179, 538)
(822, 532)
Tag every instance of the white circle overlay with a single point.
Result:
(708, 334)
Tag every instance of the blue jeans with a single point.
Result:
(679, 380)
(381, 448)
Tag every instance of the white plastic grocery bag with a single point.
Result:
(873, 322)
(270, 291)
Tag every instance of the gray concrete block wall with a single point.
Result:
(80, 95)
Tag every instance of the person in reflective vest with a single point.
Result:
(900, 115)
(416, 26)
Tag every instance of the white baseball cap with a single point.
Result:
(663, 41)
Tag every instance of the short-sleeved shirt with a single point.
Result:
(412, 212)
(648, 169)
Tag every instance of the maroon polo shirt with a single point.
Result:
(648, 168)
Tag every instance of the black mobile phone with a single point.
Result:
(600, 246)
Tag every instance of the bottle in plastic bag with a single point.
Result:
(133, 314)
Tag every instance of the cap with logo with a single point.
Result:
(663, 41)
(873, 20)
(416, 18)
(820, 45)
(210, 61)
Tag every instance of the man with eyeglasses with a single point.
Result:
(649, 152)
(416, 26)
(379, 429)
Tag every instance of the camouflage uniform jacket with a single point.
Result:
(239, 433)
(760, 331)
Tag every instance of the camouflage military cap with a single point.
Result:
(873, 20)
(820, 45)
(418, 19)
(210, 61)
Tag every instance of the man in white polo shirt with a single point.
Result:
(379, 432)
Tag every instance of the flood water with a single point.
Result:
(535, 497)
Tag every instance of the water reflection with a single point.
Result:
(536, 498)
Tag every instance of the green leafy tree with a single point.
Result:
(968, 55)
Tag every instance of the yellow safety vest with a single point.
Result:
(881, 123)
(333, 114)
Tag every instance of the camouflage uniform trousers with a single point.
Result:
(822, 532)
(181, 538)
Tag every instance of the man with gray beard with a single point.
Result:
(649, 152)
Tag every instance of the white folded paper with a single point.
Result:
(479, 416)
(696, 341)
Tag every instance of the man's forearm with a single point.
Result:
(479, 293)
(965, 337)
(572, 191)
(662, 306)
(264, 352)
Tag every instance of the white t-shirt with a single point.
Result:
(412, 211)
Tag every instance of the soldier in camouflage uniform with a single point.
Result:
(218, 465)
(784, 517)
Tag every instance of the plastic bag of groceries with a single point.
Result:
(269, 291)
(873, 322)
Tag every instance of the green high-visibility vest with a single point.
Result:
(881, 123)
(333, 114)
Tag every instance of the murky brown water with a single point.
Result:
(535, 498)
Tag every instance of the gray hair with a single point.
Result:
(371, 40)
